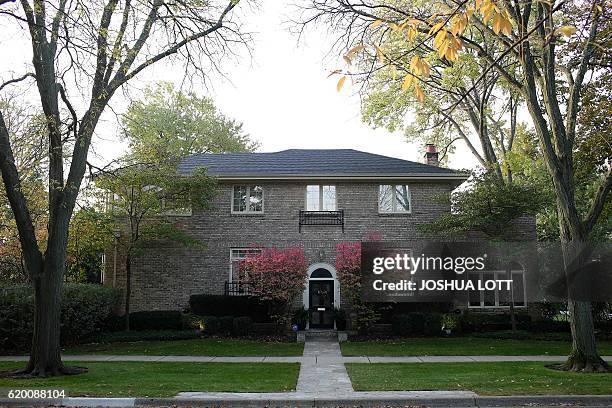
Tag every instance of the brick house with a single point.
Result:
(311, 198)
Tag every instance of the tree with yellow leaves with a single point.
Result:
(544, 51)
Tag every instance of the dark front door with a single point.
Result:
(321, 293)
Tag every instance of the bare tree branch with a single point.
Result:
(15, 80)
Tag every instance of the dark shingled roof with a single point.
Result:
(310, 162)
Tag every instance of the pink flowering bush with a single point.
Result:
(348, 267)
(277, 276)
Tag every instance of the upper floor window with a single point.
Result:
(320, 198)
(394, 199)
(247, 199)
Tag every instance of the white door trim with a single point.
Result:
(332, 270)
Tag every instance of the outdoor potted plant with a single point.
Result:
(449, 323)
(340, 317)
(300, 318)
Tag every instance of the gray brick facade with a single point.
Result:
(164, 278)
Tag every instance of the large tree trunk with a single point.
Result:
(45, 353)
(45, 359)
(584, 355)
(128, 289)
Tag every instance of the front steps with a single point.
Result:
(321, 335)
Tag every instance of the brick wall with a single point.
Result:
(164, 278)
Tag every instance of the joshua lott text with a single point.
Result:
(442, 285)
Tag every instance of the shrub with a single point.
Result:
(401, 325)
(417, 324)
(549, 326)
(147, 335)
(217, 305)
(340, 317)
(348, 266)
(85, 310)
(16, 320)
(264, 328)
(192, 321)
(156, 320)
(432, 324)
(242, 326)
(277, 276)
(211, 324)
(226, 324)
(450, 321)
(605, 326)
(300, 318)
(548, 310)
(482, 322)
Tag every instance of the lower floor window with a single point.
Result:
(498, 298)
(237, 274)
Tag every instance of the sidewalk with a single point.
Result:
(309, 359)
(323, 382)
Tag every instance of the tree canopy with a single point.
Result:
(169, 124)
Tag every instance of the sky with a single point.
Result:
(282, 94)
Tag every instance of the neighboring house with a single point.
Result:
(311, 198)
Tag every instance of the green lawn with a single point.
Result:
(482, 378)
(456, 346)
(132, 379)
(193, 347)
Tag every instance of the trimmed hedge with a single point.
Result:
(264, 328)
(605, 326)
(523, 335)
(16, 319)
(488, 322)
(85, 310)
(147, 335)
(242, 326)
(228, 325)
(156, 320)
(218, 305)
(549, 326)
(417, 324)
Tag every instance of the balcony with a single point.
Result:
(315, 218)
(237, 288)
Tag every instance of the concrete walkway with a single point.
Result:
(322, 370)
(312, 357)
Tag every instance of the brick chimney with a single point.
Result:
(431, 155)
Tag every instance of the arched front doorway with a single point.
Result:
(321, 295)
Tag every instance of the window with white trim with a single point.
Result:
(236, 256)
(498, 298)
(394, 199)
(320, 198)
(248, 199)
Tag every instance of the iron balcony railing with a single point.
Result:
(321, 218)
(237, 288)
